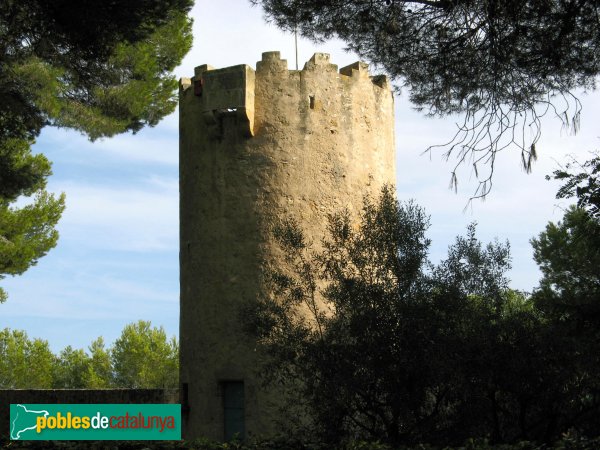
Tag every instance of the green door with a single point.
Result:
(233, 403)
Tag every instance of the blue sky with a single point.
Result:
(117, 258)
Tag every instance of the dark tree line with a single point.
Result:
(374, 341)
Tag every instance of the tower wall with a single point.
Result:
(256, 146)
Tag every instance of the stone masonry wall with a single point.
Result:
(257, 146)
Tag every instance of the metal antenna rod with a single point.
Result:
(296, 43)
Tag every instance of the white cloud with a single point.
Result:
(157, 146)
(132, 218)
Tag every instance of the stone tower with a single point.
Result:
(257, 145)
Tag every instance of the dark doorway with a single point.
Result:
(233, 409)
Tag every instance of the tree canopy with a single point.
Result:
(24, 362)
(98, 67)
(26, 233)
(142, 357)
(568, 254)
(581, 180)
(501, 64)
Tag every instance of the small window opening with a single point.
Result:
(185, 400)
(224, 111)
(311, 101)
(198, 87)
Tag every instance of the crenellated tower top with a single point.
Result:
(232, 90)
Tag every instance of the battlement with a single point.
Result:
(231, 91)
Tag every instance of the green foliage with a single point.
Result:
(71, 369)
(101, 68)
(24, 363)
(99, 371)
(78, 369)
(285, 443)
(28, 233)
(21, 173)
(143, 357)
(131, 89)
(477, 271)
(568, 254)
(584, 185)
(502, 64)
(374, 342)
